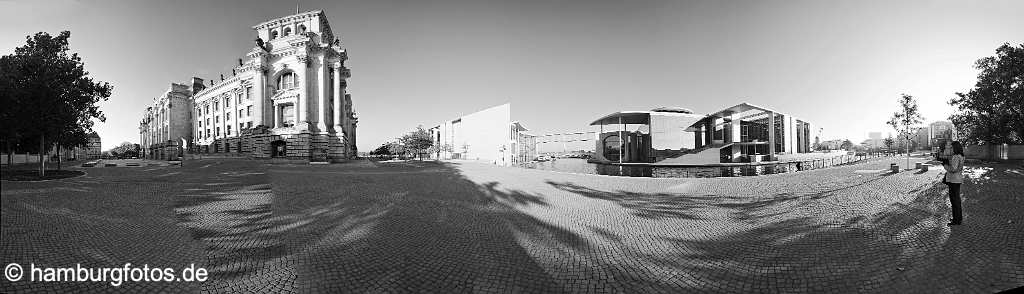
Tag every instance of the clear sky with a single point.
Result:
(839, 64)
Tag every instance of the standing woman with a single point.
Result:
(954, 178)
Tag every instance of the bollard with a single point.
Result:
(919, 165)
(895, 168)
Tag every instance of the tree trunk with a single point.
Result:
(59, 160)
(42, 150)
(10, 152)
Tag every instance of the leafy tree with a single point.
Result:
(905, 119)
(125, 149)
(417, 142)
(381, 151)
(889, 142)
(51, 97)
(10, 133)
(847, 145)
(993, 111)
(396, 148)
(71, 137)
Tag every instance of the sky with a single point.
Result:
(841, 65)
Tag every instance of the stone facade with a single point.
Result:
(168, 119)
(286, 97)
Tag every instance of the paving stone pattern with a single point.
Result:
(411, 227)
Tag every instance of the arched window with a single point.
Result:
(286, 81)
(287, 31)
(273, 35)
(302, 29)
(612, 147)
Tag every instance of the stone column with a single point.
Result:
(258, 85)
(276, 120)
(301, 102)
(338, 107)
(322, 89)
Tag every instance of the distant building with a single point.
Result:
(168, 119)
(742, 133)
(831, 144)
(488, 135)
(91, 150)
(939, 132)
(921, 138)
(875, 140)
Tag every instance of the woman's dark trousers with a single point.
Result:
(954, 201)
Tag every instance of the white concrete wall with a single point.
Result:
(485, 133)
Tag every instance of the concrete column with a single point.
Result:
(787, 134)
(338, 107)
(735, 129)
(771, 135)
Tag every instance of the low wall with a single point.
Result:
(23, 158)
(259, 143)
(994, 152)
(753, 169)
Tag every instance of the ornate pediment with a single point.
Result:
(285, 95)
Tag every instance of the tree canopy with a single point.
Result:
(993, 111)
(48, 95)
(417, 142)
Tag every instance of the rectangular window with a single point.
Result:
(218, 132)
(248, 110)
(248, 93)
(229, 131)
(227, 116)
(241, 126)
(216, 106)
(241, 113)
(207, 121)
(216, 119)
(227, 102)
(288, 115)
(248, 124)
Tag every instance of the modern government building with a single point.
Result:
(489, 135)
(285, 98)
(677, 136)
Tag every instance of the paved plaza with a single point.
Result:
(465, 227)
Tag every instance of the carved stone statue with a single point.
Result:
(337, 42)
(233, 71)
(239, 62)
(259, 42)
(221, 77)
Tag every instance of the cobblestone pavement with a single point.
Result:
(451, 228)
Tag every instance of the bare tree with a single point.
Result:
(905, 119)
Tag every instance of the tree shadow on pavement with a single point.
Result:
(394, 228)
(904, 248)
(426, 226)
(645, 205)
